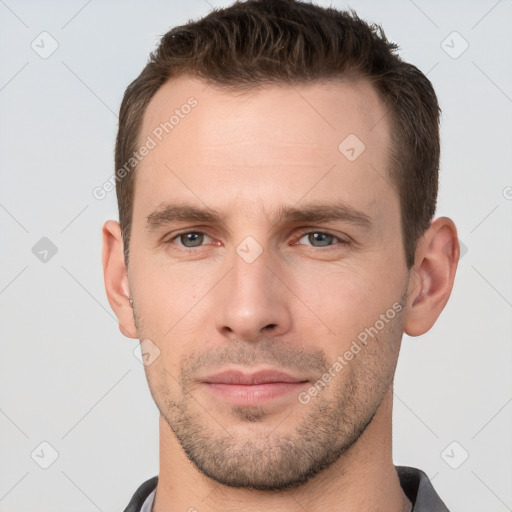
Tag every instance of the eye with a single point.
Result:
(189, 239)
(321, 239)
(317, 239)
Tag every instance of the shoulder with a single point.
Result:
(419, 490)
(141, 494)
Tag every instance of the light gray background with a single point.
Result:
(68, 376)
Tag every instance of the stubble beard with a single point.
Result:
(279, 458)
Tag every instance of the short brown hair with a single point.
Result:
(260, 42)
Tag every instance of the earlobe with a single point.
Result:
(432, 276)
(116, 278)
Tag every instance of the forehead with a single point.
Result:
(320, 112)
(207, 138)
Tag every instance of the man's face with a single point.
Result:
(273, 284)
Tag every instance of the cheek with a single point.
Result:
(165, 292)
(344, 301)
(173, 311)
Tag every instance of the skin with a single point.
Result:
(297, 307)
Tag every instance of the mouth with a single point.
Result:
(252, 389)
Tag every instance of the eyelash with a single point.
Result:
(340, 240)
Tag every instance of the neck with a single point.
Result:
(363, 478)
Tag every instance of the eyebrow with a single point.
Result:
(167, 213)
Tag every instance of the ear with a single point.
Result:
(116, 278)
(432, 276)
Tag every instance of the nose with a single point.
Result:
(252, 301)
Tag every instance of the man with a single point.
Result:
(277, 168)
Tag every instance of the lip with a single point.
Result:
(252, 389)
(250, 379)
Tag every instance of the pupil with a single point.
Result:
(317, 237)
(194, 238)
